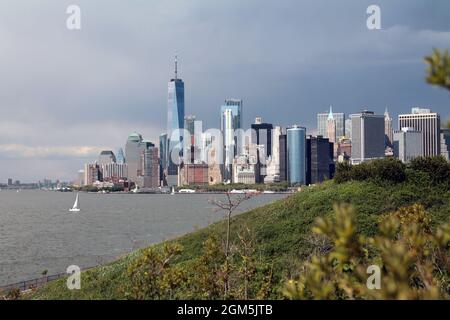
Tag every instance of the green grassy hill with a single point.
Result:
(281, 233)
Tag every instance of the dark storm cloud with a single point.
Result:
(66, 94)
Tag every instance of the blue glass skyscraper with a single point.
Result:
(296, 160)
(175, 121)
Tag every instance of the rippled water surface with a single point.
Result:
(38, 233)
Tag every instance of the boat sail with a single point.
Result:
(75, 207)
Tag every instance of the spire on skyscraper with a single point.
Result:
(176, 67)
(330, 115)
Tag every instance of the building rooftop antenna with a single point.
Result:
(176, 67)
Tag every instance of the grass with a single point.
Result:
(281, 230)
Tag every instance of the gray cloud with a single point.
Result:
(62, 90)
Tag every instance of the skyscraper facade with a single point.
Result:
(262, 137)
(429, 123)
(150, 165)
(283, 157)
(407, 144)
(120, 156)
(163, 161)
(133, 150)
(368, 138)
(175, 125)
(106, 156)
(322, 124)
(319, 159)
(445, 143)
(273, 165)
(230, 121)
(388, 130)
(296, 160)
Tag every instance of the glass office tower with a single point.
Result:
(175, 123)
(296, 148)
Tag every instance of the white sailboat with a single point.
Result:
(75, 207)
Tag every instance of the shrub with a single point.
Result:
(414, 260)
(437, 168)
(381, 170)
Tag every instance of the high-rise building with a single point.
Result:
(319, 159)
(445, 143)
(283, 157)
(163, 160)
(230, 121)
(175, 126)
(120, 156)
(273, 163)
(296, 159)
(92, 174)
(322, 124)
(244, 169)
(215, 175)
(133, 150)
(388, 130)
(80, 178)
(189, 122)
(429, 123)
(368, 137)
(262, 137)
(407, 144)
(149, 177)
(348, 128)
(113, 172)
(106, 156)
(10, 182)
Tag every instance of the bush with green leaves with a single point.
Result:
(413, 259)
(388, 170)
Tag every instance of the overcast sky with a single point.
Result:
(65, 95)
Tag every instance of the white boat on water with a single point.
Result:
(173, 190)
(186, 191)
(75, 207)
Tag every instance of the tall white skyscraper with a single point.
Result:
(230, 121)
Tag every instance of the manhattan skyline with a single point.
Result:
(67, 95)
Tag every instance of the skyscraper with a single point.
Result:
(407, 144)
(445, 143)
(322, 124)
(273, 165)
(120, 156)
(231, 120)
(189, 122)
(133, 151)
(296, 159)
(388, 131)
(331, 127)
(348, 128)
(429, 123)
(319, 159)
(163, 161)
(106, 156)
(368, 137)
(262, 137)
(283, 157)
(175, 126)
(150, 165)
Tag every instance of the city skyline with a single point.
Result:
(59, 124)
